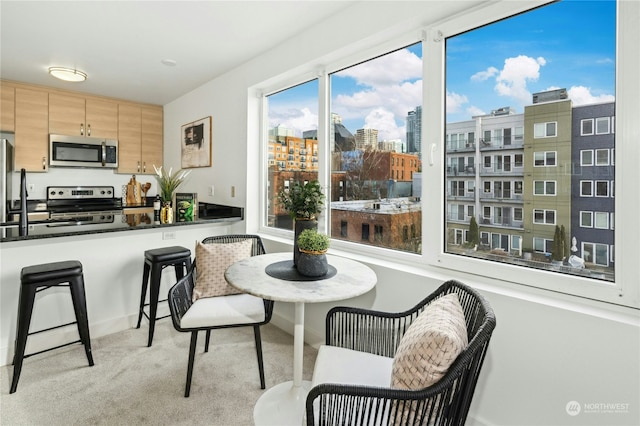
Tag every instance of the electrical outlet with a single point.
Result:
(168, 235)
(211, 190)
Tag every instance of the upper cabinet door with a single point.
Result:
(7, 108)
(151, 136)
(129, 137)
(102, 118)
(32, 130)
(80, 116)
(67, 115)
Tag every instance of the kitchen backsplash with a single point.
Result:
(78, 176)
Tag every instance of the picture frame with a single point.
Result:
(195, 145)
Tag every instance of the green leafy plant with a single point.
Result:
(559, 246)
(312, 241)
(169, 182)
(302, 201)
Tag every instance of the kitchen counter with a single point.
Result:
(127, 220)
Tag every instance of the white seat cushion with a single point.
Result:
(346, 366)
(223, 310)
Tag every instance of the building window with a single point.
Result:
(377, 233)
(344, 227)
(517, 214)
(586, 219)
(586, 188)
(601, 220)
(602, 157)
(365, 232)
(544, 187)
(586, 127)
(546, 217)
(544, 159)
(602, 188)
(596, 253)
(602, 125)
(544, 130)
(586, 157)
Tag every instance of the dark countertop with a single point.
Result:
(209, 213)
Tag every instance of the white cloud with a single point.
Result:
(474, 110)
(294, 118)
(387, 70)
(581, 95)
(485, 75)
(384, 121)
(516, 73)
(455, 102)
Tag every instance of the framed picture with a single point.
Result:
(196, 143)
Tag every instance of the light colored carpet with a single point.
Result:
(131, 384)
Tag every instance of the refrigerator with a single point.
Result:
(6, 174)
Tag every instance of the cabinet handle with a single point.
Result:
(81, 129)
(144, 167)
(88, 129)
(138, 167)
(44, 163)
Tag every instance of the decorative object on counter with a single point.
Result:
(157, 205)
(313, 247)
(169, 182)
(303, 202)
(186, 206)
(196, 143)
(134, 192)
(166, 213)
(145, 188)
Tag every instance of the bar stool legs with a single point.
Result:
(154, 262)
(38, 278)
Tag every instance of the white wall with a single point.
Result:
(548, 349)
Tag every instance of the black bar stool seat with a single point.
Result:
(36, 278)
(155, 260)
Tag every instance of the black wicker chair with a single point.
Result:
(444, 403)
(180, 301)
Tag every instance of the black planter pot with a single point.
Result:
(301, 225)
(312, 264)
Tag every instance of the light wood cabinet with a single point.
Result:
(31, 129)
(152, 141)
(7, 107)
(82, 116)
(139, 138)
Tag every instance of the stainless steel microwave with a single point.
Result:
(82, 151)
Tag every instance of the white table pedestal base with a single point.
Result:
(282, 405)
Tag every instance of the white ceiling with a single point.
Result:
(120, 44)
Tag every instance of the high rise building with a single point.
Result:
(366, 139)
(414, 130)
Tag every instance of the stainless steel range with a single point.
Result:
(85, 204)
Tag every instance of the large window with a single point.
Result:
(504, 101)
(292, 147)
(566, 130)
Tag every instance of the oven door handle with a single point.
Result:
(104, 153)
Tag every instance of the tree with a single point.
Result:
(474, 235)
(559, 248)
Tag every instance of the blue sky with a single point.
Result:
(569, 45)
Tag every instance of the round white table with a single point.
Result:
(284, 404)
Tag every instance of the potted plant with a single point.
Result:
(168, 183)
(312, 246)
(303, 202)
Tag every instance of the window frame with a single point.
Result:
(434, 261)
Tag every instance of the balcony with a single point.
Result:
(461, 171)
(500, 143)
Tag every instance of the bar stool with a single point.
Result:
(155, 261)
(37, 278)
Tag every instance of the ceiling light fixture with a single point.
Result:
(67, 74)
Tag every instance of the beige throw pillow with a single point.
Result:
(431, 344)
(211, 262)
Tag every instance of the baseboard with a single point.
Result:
(60, 336)
(311, 337)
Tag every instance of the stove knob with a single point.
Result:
(102, 192)
(53, 193)
(60, 193)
